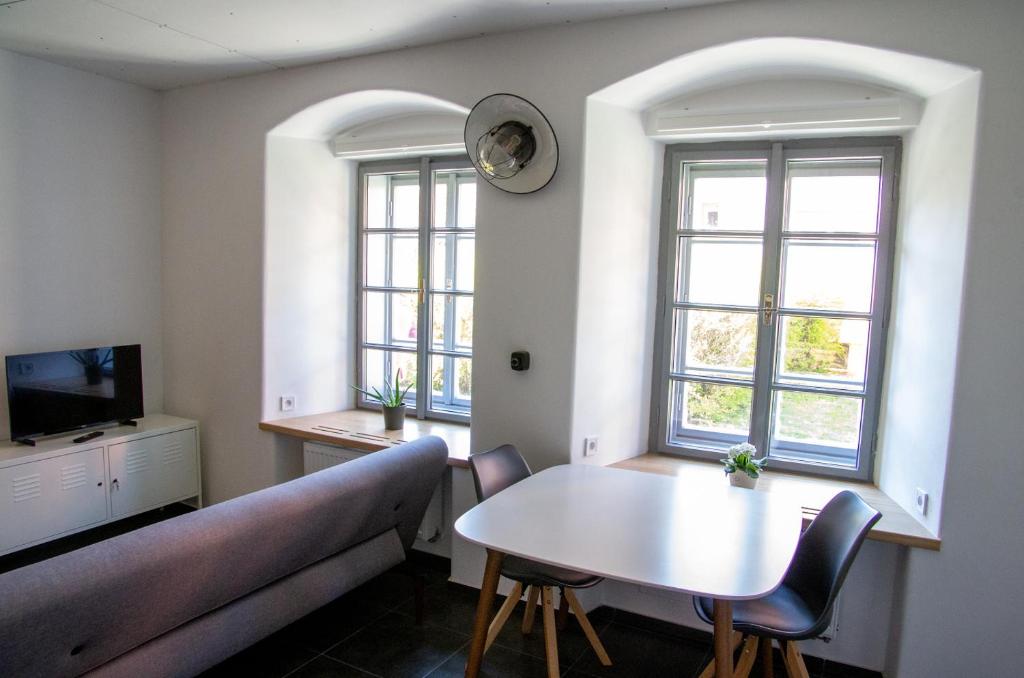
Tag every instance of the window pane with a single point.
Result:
(451, 383)
(383, 366)
(719, 270)
(452, 321)
(391, 260)
(440, 263)
(453, 270)
(709, 409)
(390, 318)
(440, 203)
(463, 183)
(827, 352)
(711, 343)
(463, 323)
(834, 195)
(726, 196)
(828, 274)
(467, 204)
(463, 379)
(816, 428)
(376, 201)
(465, 262)
(406, 208)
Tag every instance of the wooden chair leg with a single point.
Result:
(747, 656)
(588, 629)
(531, 609)
(503, 614)
(735, 641)
(492, 573)
(767, 659)
(795, 666)
(550, 634)
(563, 611)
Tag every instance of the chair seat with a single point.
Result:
(532, 573)
(782, 615)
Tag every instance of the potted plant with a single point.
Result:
(741, 466)
(392, 400)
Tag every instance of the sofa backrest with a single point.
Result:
(69, 614)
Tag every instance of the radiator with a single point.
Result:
(318, 456)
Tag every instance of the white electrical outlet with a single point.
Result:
(590, 446)
(921, 502)
(287, 403)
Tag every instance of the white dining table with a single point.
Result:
(710, 539)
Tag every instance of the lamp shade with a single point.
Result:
(511, 143)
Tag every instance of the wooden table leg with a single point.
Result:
(488, 589)
(723, 636)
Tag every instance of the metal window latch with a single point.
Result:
(768, 308)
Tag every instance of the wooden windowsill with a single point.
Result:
(896, 526)
(364, 430)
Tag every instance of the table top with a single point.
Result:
(714, 540)
(897, 526)
(364, 430)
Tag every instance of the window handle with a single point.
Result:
(423, 286)
(768, 308)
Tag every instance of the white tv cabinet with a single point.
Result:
(59, 487)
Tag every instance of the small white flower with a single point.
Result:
(741, 448)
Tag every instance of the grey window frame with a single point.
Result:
(775, 155)
(460, 409)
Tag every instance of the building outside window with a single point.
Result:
(775, 281)
(416, 266)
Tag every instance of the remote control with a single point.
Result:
(87, 437)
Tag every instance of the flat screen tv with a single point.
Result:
(67, 390)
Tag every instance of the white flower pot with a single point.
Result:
(741, 479)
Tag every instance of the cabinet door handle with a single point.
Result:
(114, 485)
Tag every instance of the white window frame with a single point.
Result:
(448, 407)
(775, 155)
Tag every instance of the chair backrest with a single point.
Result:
(826, 551)
(497, 469)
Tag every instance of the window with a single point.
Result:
(416, 253)
(773, 300)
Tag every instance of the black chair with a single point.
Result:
(493, 471)
(800, 608)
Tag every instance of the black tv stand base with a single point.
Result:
(128, 422)
(25, 441)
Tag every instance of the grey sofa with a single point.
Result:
(177, 597)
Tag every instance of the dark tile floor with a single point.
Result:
(372, 631)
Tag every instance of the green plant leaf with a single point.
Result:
(367, 393)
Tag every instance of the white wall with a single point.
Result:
(308, 320)
(527, 261)
(970, 592)
(213, 216)
(931, 237)
(617, 273)
(79, 216)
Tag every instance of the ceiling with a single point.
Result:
(162, 44)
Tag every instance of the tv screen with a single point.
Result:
(66, 390)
